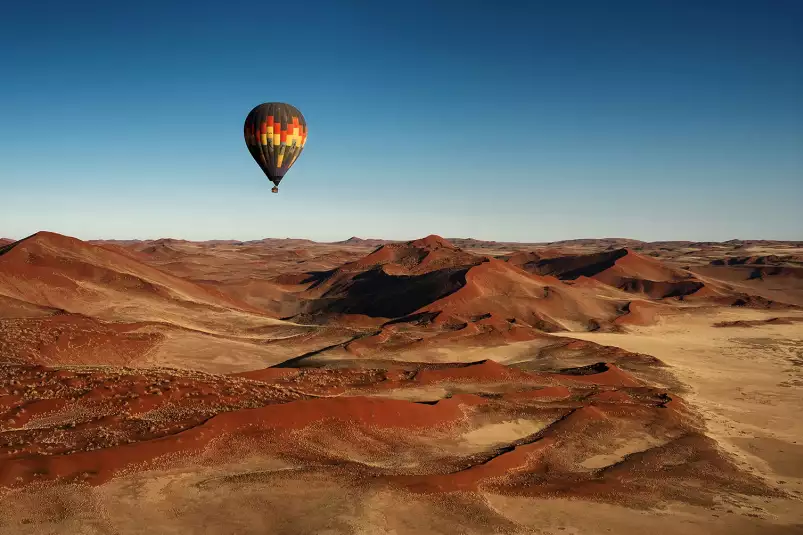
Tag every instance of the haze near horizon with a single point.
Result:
(528, 122)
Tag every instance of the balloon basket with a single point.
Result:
(275, 189)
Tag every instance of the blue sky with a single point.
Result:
(525, 121)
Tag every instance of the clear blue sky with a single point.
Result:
(527, 121)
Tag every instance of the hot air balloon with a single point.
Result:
(275, 134)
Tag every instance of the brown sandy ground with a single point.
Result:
(84, 450)
(745, 380)
(285, 386)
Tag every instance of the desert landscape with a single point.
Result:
(372, 386)
(401, 268)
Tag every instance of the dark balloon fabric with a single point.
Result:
(275, 134)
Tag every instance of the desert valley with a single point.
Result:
(366, 386)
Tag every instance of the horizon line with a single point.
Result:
(391, 240)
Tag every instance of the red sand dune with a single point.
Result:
(484, 372)
(521, 259)
(519, 459)
(15, 308)
(52, 270)
(85, 463)
(415, 257)
(391, 282)
(623, 269)
(402, 297)
(551, 463)
(495, 287)
(340, 381)
(428, 331)
(598, 374)
(266, 296)
(127, 402)
(432, 276)
(73, 339)
(779, 284)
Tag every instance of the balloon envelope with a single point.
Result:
(275, 134)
